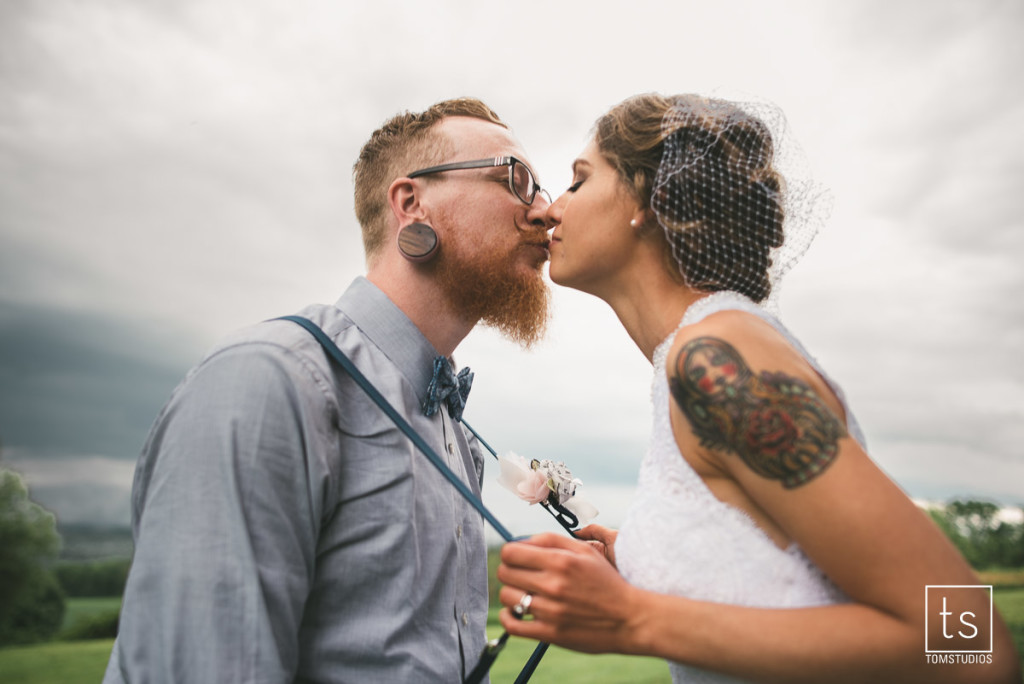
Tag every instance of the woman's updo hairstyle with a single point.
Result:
(708, 170)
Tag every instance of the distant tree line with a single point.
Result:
(93, 578)
(985, 540)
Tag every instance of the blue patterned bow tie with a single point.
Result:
(447, 387)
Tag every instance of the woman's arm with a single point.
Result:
(813, 484)
(580, 602)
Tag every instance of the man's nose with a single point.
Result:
(538, 214)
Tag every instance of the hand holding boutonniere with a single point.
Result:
(549, 483)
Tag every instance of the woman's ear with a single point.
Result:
(642, 220)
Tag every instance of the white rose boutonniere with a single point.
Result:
(549, 483)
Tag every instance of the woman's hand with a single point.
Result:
(579, 599)
(602, 539)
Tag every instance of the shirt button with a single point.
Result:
(458, 531)
(451, 448)
(465, 620)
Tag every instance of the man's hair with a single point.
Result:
(405, 143)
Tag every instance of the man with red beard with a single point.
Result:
(286, 530)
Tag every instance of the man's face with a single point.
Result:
(493, 246)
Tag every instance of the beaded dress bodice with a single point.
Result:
(678, 538)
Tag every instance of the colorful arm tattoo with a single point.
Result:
(777, 424)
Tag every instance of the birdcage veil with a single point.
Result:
(734, 195)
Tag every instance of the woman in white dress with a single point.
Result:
(763, 543)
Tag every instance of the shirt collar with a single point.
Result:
(391, 331)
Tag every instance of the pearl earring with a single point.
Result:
(633, 223)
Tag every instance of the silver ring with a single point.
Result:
(522, 609)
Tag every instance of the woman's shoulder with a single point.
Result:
(745, 350)
(738, 333)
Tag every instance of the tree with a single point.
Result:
(31, 601)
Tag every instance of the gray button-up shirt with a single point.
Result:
(286, 530)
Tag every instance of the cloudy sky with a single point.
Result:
(170, 171)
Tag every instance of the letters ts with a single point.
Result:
(945, 612)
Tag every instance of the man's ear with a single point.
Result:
(404, 200)
(417, 240)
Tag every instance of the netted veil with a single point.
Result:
(734, 196)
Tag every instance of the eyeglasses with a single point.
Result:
(520, 178)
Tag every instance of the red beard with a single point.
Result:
(489, 288)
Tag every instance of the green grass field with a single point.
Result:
(59, 662)
(85, 661)
(1011, 606)
(82, 609)
(565, 667)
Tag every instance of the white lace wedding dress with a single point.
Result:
(678, 538)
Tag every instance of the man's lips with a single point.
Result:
(542, 245)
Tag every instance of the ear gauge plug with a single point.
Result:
(417, 242)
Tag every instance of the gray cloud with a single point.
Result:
(171, 171)
(83, 489)
(74, 382)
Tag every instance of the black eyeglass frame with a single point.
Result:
(510, 162)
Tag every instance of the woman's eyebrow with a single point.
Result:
(579, 162)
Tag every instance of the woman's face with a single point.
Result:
(592, 239)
